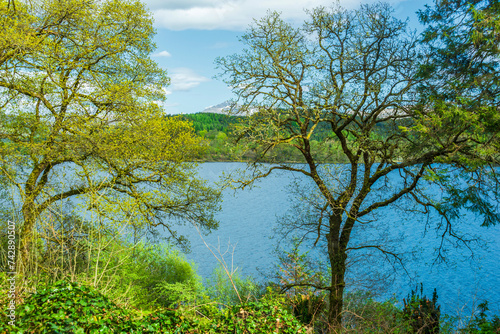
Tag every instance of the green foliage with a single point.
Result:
(307, 307)
(210, 122)
(220, 288)
(223, 145)
(422, 313)
(68, 308)
(363, 314)
(462, 39)
(268, 315)
(141, 275)
(302, 280)
(217, 130)
(481, 324)
(264, 316)
(81, 117)
(297, 273)
(149, 276)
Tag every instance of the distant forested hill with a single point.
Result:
(217, 131)
(205, 123)
(212, 122)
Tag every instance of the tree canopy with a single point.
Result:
(81, 117)
(462, 68)
(462, 38)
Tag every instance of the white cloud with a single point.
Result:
(179, 4)
(163, 53)
(230, 14)
(167, 91)
(184, 79)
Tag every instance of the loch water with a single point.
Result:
(249, 218)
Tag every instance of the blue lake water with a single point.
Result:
(248, 217)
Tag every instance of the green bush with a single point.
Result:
(270, 314)
(363, 314)
(219, 288)
(160, 275)
(422, 313)
(307, 307)
(68, 308)
(267, 315)
(143, 276)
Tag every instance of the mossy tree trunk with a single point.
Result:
(337, 257)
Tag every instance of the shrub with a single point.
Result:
(306, 307)
(142, 275)
(68, 308)
(480, 324)
(363, 314)
(160, 275)
(269, 314)
(220, 288)
(422, 313)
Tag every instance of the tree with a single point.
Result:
(356, 73)
(81, 118)
(463, 68)
(462, 37)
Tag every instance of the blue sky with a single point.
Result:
(191, 34)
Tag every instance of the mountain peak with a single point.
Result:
(221, 108)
